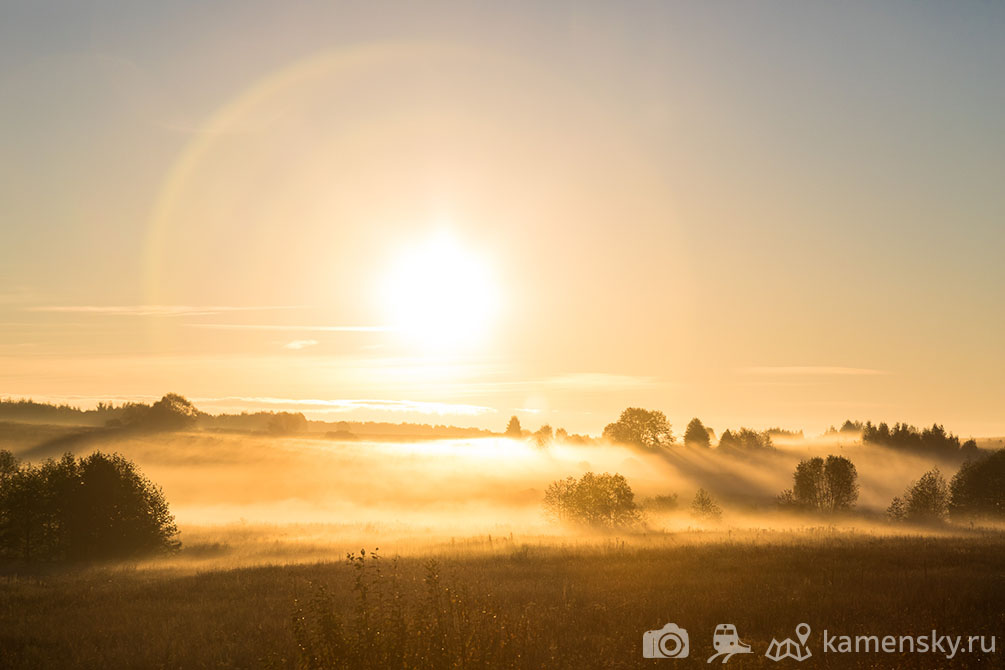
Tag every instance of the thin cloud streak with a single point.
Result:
(155, 310)
(285, 328)
(811, 370)
(600, 381)
(349, 405)
(297, 345)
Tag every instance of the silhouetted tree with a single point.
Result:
(704, 506)
(172, 412)
(98, 507)
(696, 434)
(925, 501)
(825, 486)
(850, 426)
(935, 440)
(513, 428)
(648, 429)
(745, 439)
(978, 489)
(604, 501)
(543, 436)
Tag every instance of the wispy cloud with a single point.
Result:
(599, 381)
(810, 370)
(349, 405)
(286, 328)
(155, 310)
(296, 345)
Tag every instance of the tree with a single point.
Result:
(978, 489)
(513, 428)
(696, 434)
(543, 436)
(925, 501)
(601, 501)
(704, 506)
(808, 484)
(97, 507)
(172, 412)
(648, 429)
(745, 439)
(826, 486)
(841, 481)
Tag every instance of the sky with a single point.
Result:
(761, 214)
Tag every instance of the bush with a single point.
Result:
(602, 501)
(98, 507)
(704, 507)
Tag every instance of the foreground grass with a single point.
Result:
(526, 607)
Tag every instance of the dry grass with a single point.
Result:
(521, 606)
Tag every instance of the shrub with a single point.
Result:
(603, 501)
(704, 507)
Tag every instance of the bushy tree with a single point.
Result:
(648, 429)
(96, 507)
(978, 489)
(823, 485)
(696, 434)
(172, 412)
(513, 428)
(602, 501)
(925, 501)
(543, 436)
(704, 507)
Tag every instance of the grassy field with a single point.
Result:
(519, 606)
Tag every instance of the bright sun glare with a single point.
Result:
(439, 294)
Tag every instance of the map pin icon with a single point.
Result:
(803, 631)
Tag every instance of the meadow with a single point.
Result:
(506, 603)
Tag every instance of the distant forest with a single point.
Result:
(647, 429)
(174, 412)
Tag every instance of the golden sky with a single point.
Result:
(771, 215)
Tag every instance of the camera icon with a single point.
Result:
(670, 641)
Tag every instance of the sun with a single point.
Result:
(439, 295)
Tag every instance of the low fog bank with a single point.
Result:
(476, 485)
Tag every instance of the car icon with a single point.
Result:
(726, 642)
